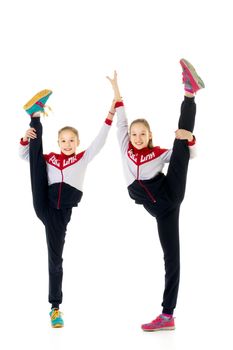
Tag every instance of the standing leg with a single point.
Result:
(55, 235)
(168, 229)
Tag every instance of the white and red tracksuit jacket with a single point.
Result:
(141, 165)
(66, 173)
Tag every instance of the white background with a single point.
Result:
(113, 263)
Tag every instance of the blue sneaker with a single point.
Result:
(56, 318)
(37, 102)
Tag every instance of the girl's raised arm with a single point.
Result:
(122, 122)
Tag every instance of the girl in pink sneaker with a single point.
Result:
(161, 195)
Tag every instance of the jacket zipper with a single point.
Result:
(59, 192)
(145, 188)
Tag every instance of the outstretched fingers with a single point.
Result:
(114, 79)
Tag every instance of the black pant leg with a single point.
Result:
(178, 166)
(55, 235)
(168, 229)
(187, 115)
(39, 180)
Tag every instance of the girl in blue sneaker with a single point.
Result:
(57, 186)
(161, 195)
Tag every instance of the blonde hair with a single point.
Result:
(147, 125)
(70, 128)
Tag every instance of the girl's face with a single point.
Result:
(68, 142)
(139, 135)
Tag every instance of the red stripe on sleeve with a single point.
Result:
(108, 121)
(23, 143)
(119, 104)
(191, 143)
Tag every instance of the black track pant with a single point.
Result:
(54, 220)
(168, 222)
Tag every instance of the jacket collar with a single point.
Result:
(142, 151)
(65, 156)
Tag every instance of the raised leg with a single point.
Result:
(39, 180)
(178, 166)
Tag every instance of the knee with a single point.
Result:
(55, 268)
(181, 197)
(172, 260)
(55, 265)
(39, 212)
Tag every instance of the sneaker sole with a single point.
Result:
(159, 329)
(58, 326)
(36, 98)
(195, 79)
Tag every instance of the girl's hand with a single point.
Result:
(113, 80)
(30, 134)
(182, 134)
(114, 83)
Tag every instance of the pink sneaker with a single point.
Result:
(192, 82)
(162, 323)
